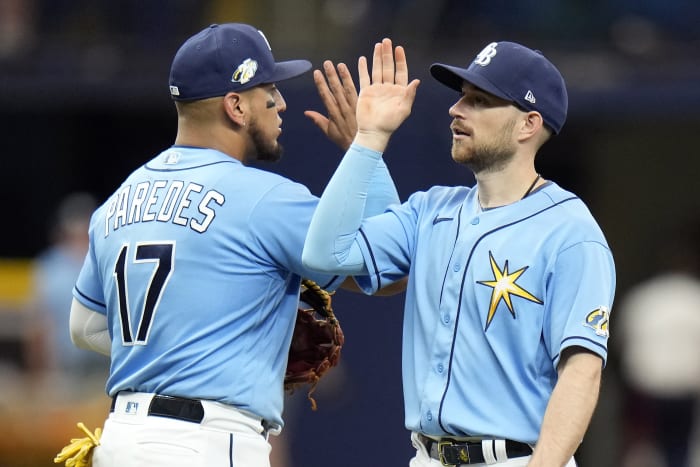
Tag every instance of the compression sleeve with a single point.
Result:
(89, 329)
(330, 242)
(382, 191)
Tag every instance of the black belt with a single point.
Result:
(454, 453)
(179, 408)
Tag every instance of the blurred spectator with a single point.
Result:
(56, 269)
(62, 385)
(660, 334)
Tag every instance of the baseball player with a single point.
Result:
(510, 282)
(192, 277)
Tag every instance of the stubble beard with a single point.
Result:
(266, 149)
(487, 157)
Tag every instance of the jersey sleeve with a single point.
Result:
(581, 293)
(386, 242)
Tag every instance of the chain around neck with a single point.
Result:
(529, 190)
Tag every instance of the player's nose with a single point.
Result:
(455, 110)
(279, 101)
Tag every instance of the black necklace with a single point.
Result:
(529, 190)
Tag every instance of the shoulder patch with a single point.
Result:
(598, 320)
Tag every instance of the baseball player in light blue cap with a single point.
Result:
(511, 282)
(192, 278)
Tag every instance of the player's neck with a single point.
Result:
(500, 189)
(211, 140)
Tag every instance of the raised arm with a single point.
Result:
(337, 91)
(384, 102)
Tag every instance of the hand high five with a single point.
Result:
(386, 98)
(339, 96)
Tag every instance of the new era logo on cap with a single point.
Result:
(516, 73)
(530, 97)
(224, 58)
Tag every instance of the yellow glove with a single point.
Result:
(79, 452)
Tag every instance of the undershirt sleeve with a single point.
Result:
(330, 243)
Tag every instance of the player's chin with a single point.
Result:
(459, 154)
(272, 153)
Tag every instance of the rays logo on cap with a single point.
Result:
(485, 56)
(245, 71)
(598, 320)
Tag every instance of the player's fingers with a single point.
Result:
(412, 89)
(325, 93)
(377, 64)
(347, 101)
(362, 72)
(334, 83)
(401, 66)
(321, 85)
(348, 84)
(387, 61)
(318, 119)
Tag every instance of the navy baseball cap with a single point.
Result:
(513, 72)
(226, 58)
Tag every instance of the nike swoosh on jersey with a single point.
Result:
(441, 219)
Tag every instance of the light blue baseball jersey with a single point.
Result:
(492, 300)
(196, 261)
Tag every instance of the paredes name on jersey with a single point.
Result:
(175, 201)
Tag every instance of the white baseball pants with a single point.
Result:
(226, 437)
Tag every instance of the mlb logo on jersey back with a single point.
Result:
(131, 408)
(171, 157)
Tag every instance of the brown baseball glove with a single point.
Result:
(316, 342)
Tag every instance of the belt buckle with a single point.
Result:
(462, 454)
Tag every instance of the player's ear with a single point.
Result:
(531, 125)
(235, 108)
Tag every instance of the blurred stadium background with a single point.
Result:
(84, 101)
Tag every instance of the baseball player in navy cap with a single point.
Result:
(511, 281)
(192, 278)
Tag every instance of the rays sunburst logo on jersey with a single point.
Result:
(504, 288)
(598, 320)
(245, 71)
